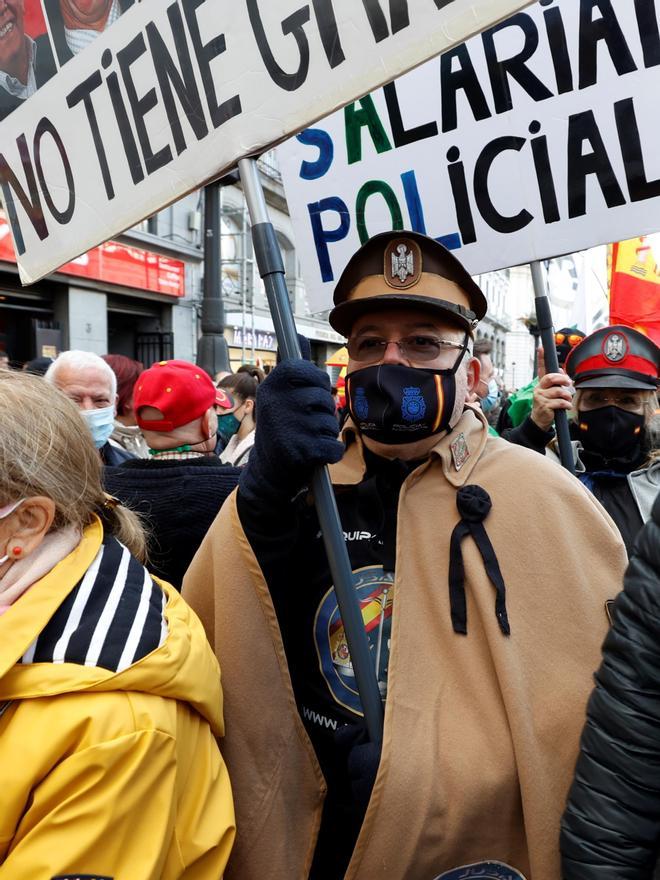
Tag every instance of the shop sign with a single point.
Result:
(173, 94)
(262, 341)
(116, 263)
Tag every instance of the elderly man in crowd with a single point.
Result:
(182, 485)
(91, 384)
(482, 571)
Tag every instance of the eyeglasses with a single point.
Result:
(595, 399)
(573, 339)
(371, 349)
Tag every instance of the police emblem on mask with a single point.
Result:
(482, 871)
(413, 405)
(615, 347)
(361, 404)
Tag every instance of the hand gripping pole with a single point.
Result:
(271, 269)
(544, 320)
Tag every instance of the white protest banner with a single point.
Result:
(173, 94)
(536, 138)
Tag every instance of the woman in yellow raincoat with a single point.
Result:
(110, 701)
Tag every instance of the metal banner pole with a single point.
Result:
(544, 320)
(271, 269)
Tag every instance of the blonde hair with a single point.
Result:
(46, 449)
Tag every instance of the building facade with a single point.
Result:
(141, 295)
(134, 296)
(495, 326)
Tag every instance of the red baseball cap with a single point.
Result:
(180, 390)
(223, 399)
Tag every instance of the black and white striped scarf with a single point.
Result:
(113, 617)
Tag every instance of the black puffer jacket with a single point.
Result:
(611, 828)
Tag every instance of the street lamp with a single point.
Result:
(213, 350)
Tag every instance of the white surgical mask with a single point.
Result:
(101, 423)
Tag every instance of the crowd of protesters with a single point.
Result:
(177, 697)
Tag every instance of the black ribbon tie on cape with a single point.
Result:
(474, 505)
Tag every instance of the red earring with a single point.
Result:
(17, 551)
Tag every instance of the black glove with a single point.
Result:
(296, 431)
(362, 760)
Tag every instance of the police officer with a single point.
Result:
(615, 373)
(483, 637)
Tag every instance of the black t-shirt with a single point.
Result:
(290, 551)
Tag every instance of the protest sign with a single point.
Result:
(536, 138)
(172, 95)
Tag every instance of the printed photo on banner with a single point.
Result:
(74, 24)
(26, 59)
(535, 138)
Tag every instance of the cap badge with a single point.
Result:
(403, 263)
(615, 347)
(460, 451)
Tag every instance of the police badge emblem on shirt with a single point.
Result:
(460, 451)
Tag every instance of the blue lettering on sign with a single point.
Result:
(323, 236)
(326, 235)
(316, 137)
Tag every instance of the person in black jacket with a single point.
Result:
(611, 828)
(183, 485)
(551, 392)
(614, 373)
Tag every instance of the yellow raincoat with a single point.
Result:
(110, 774)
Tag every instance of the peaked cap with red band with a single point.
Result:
(182, 391)
(406, 269)
(615, 357)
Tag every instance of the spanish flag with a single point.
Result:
(635, 287)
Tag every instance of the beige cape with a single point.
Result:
(481, 731)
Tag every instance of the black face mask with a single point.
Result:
(563, 352)
(395, 404)
(611, 432)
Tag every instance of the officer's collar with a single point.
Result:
(458, 451)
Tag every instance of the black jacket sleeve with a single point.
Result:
(529, 434)
(611, 828)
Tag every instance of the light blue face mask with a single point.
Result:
(488, 402)
(101, 423)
